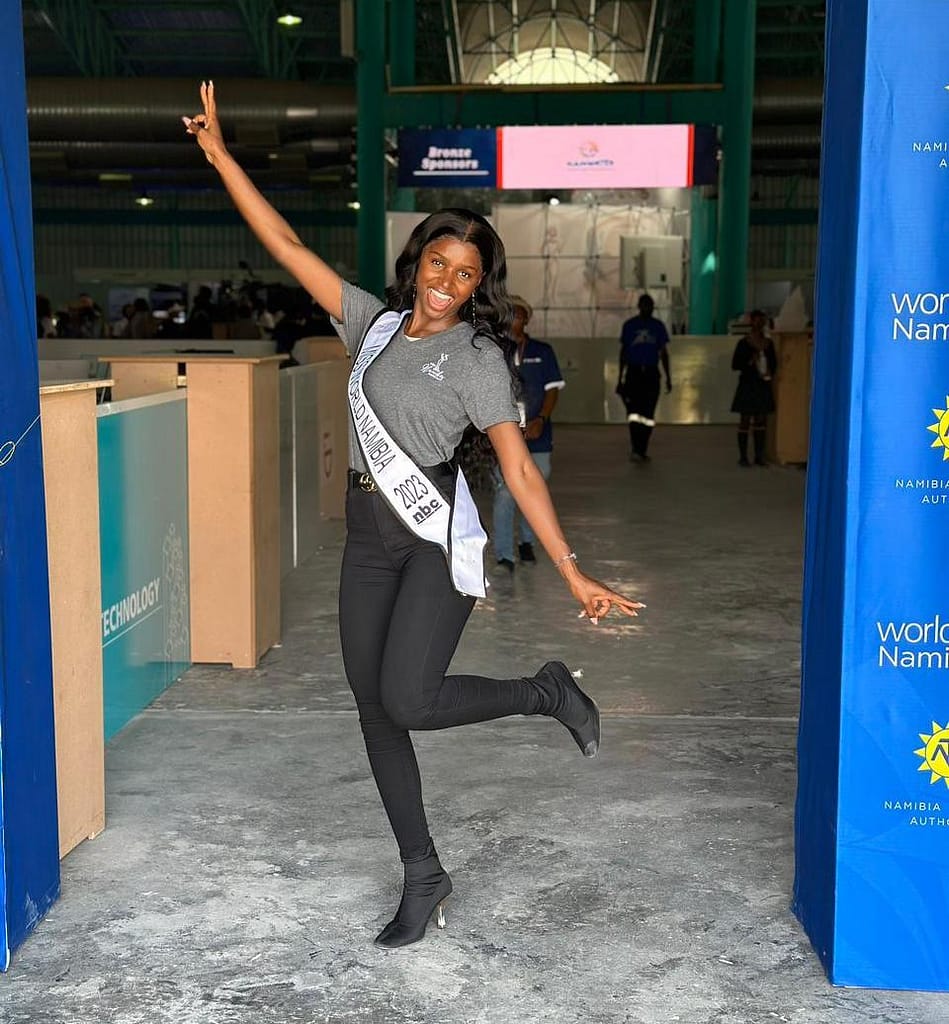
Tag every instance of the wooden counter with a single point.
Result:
(318, 350)
(70, 472)
(792, 396)
(233, 496)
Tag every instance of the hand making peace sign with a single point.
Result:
(206, 127)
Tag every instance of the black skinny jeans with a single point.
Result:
(400, 620)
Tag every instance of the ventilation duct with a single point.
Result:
(795, 140)
(150, 109)
(791, 99)
(258, 111)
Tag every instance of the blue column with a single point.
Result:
(872, 816)
(29, 841)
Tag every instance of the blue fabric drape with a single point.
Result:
(872, 823)
(29, 843)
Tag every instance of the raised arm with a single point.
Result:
(275, 234)
(529, 490)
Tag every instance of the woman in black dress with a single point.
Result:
(755, 360)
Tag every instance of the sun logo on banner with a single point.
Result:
(941, 429)
(935, 754)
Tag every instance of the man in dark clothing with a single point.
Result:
(643, 346)
(541, 384)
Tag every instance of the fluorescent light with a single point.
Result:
(289, 20)
(111, 176)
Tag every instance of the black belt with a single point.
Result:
(364, 482)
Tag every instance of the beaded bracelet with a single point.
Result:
(572, 556)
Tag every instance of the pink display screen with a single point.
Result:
(596, 156)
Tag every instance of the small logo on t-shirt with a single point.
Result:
(434, 370)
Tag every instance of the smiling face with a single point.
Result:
(448, 273)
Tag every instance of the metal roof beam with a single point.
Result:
(274, 45)
(613, 104)
(86, 34)
(452, 40)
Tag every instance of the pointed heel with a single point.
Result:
(427, 886)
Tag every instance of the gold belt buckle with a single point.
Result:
(365, 482)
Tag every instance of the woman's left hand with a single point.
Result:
(597, 599)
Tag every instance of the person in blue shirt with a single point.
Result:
(644, 344)
(540, 386)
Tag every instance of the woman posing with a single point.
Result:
(425, 365)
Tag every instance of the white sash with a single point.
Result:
(455, 528)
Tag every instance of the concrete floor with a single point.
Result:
(247, 864)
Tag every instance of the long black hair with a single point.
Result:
(489, 309)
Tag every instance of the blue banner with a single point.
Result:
(448, 158)
(143, 523)
(873, 799)
(29, 841)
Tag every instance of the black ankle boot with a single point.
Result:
(760, 459)
(743, 448)
(565, 701)
(426, 888)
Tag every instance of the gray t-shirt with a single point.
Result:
(427, 390)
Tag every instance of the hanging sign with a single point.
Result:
(448, 158)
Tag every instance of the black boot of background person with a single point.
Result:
(525, 551)
(562, 699)
(760, 460)
(633, 442)
(743, 448)
(645, 435)
(425, 889)
(639, 438)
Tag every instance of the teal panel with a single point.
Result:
(143, 524)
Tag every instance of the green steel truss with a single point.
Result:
(84, 31)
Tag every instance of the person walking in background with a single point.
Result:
(426, 363)
(142, 324)
(541, 383)
(45, 324)
(200, 322)
(756, 361)
(644, 344)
